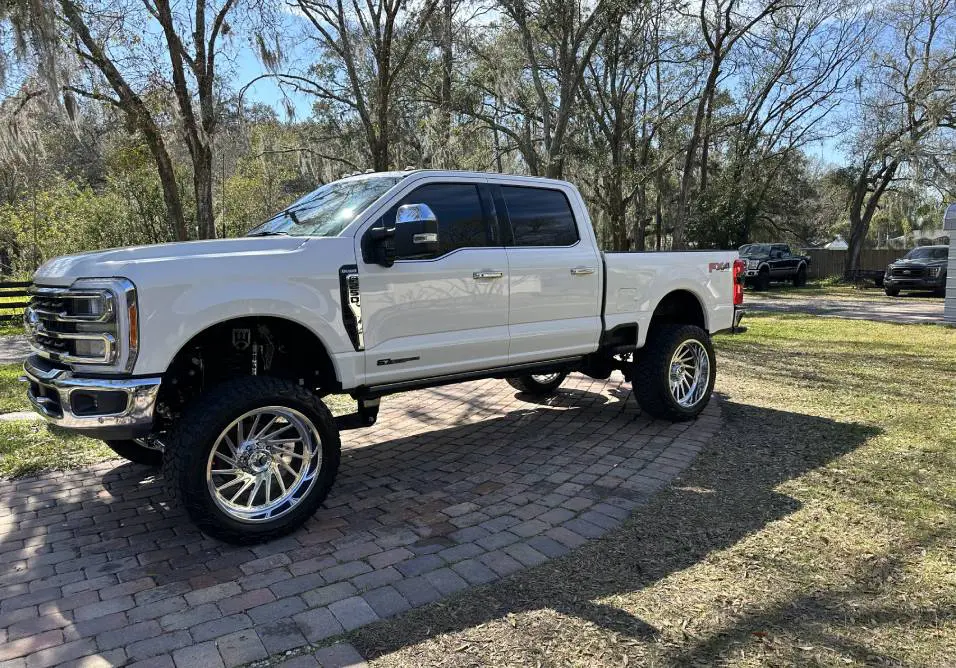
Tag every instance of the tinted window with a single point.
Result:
(540, 217)
(457, 206)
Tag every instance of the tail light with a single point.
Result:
(739, 267)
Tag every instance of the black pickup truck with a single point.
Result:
(773, 262)
(923, 268)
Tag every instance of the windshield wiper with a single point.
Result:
(277, 233)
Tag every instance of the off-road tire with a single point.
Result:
(189, 442)
(136, 452)
(939, 292)
(891, 292)
(800, 278)
(529, 385)
(651, 384)
(762, 282)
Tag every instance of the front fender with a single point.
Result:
(171, 317)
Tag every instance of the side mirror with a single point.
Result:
(416, 232)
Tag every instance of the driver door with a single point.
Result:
(435, 316)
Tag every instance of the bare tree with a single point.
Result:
(907, 98)
(366, 49)
(722, 24)
(556, 40)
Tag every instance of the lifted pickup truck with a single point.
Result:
(212, 357)
(773, 262)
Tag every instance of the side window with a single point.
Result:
(539, 217)
(461, 221)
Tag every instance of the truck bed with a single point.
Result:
(636, 281)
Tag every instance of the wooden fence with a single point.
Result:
(13, 299)
(826, 263)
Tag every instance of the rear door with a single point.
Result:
(554, 275)
(445, 314)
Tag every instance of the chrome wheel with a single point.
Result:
(264, 463)
(544, 378)
(689, 373)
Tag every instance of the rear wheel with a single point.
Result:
(539, 385)
(675, 372)
(138, 451)
(252, 459)
(891, 292)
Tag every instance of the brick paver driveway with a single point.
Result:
(454, 487)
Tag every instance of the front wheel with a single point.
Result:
(675, 372)
(763, 281)
(252, 459)
(891, 292)
(538, 385)
(138, 451)
(800, 278)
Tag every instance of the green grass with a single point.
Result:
(12, 392)
(822, 288)
(818, 528)
(27, 448)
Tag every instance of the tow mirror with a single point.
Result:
(416, 232)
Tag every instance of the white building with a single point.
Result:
(837, 244)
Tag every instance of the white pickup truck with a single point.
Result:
(212, 357)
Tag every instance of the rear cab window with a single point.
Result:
(539, 216)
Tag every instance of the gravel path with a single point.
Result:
(889, 309)
(13, 349)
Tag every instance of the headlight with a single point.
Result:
(934, 272)
(753, 264)
(93, 323)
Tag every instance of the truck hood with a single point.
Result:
(918, 262)
(62, 271)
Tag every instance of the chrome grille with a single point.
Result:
(72, 326)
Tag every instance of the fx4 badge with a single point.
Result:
(241, 338)
(718, 266)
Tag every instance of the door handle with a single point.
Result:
(582, 271)
(486, 274)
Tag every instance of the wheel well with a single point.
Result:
(680, 307)
(257, 345)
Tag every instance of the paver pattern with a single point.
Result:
(453, 487)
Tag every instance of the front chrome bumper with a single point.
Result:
(99, 407)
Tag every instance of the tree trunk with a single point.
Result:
(202, 184)
(865, 199)
(167, 179)
(447, 65)
(640, 219)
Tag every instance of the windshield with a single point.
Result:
(928, 253)
(327, 211)
(755, 249)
